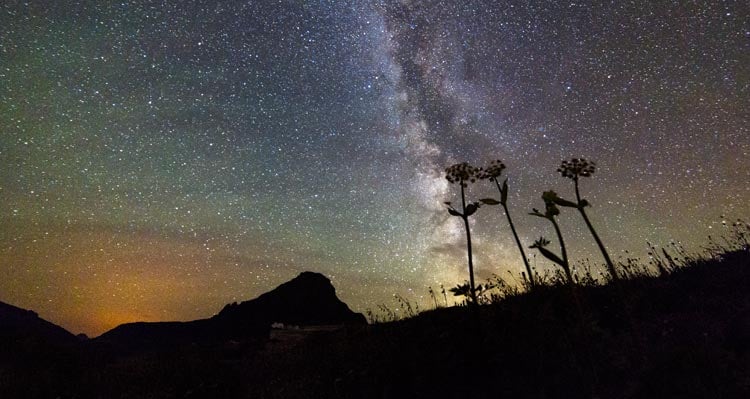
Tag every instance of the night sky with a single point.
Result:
(163, 158)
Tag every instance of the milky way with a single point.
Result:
(160, 159)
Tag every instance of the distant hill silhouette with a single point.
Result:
(308, 299)
(18, 325)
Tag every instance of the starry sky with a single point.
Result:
(162, 158)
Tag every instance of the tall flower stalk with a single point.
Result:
(551, 211)
(462, 174)
(492, 173)
(574, 170)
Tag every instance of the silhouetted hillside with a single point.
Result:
(38, 359)
(170, 335)
(18, 325)
(683, 334)
(308, 299)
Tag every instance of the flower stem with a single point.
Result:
(566, 265)
(468, 246)
(610, 265)
(518, 241)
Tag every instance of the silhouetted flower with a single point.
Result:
(577, 167)
(462, 173)
(573, 169)
(550, 204)
(551, 211)
(493, 171)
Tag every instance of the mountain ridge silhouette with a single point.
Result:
(17, 324)
(307, 300)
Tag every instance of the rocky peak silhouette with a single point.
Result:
(308, 299)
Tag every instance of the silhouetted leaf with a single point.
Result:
(536, 213)
(551, 256)
(564, 202)
(551, 210)
(454, 212)
(461, 290)
(549, 196)
(504, 193)
(489, 201)
(470, 209)
(540, 242)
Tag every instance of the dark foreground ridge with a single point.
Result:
(684, 334)
(307, 300)
(20, 325)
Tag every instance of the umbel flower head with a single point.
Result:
(577, 167)
(493, 171)
(462, 173)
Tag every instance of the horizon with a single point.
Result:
(161, 161)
